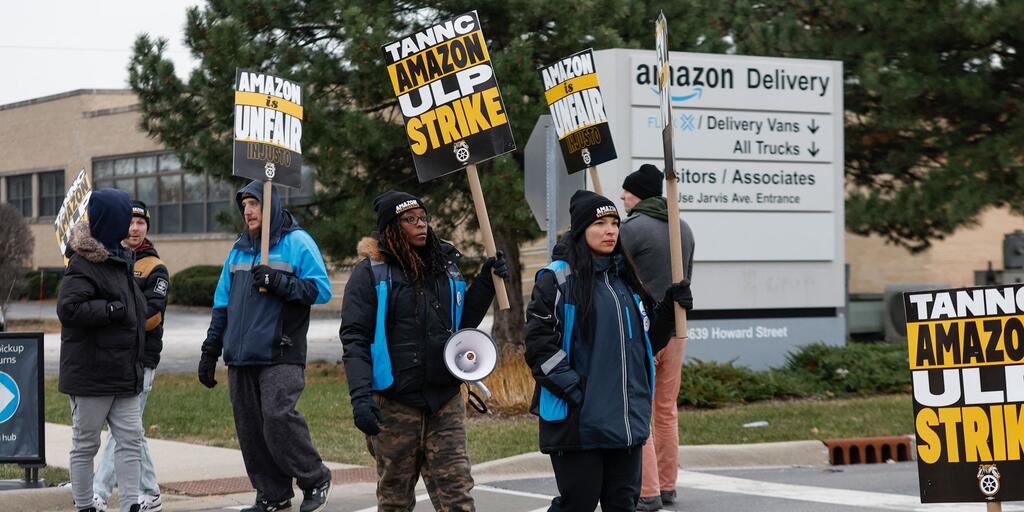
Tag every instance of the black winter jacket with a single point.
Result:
(99, 357)
(609, 370)
(417, 328)
(151, 276)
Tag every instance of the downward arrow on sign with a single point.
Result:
(814, 149)
(813, 127)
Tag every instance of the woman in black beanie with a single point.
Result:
(592, 330)
(402, 303)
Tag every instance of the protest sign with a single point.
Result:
(72, 210)
(577, 109)
(966, 355)
(454, 115)
(671, 190)
(448, 95)
(268, 128)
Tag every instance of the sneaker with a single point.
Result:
(149, 503)
(668, 497)
(649, 504)
(99, 503)
(90, 509)
(134, 508)
(263, 505)
(315, 499)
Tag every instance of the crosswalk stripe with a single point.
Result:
(830, 495)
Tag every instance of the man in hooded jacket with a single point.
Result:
(644, 237)
(103, 320)
(260, 320)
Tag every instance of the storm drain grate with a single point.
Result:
(868, 450)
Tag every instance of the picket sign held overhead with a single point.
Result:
(268, 137)
(674, 234)
(453, 112)
(574, 98)
(72, 210)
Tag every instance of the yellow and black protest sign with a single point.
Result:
(268, 128)
(966, 352)
(449, 97)
(72, 210)
(577, 109)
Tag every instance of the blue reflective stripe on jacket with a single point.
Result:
(383, 375)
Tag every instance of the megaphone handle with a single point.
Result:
(483, 389)
(475, 402)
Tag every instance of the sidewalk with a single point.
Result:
(198, 477)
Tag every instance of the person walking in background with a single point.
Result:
(103, 331)
(152, 278)
(590, 345)
(644, 238)
(260, 320)
(402, 303)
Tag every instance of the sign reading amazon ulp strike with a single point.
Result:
(268, 128)
(966, 349)
(449, 97)
(577, 109)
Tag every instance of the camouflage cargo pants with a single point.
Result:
(412, 443)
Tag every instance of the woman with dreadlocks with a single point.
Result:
(590, 344)
(402, 303)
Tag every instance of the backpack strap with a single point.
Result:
(383, 377)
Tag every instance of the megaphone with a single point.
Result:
(470, 355)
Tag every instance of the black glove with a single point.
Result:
(115, 311)
(497, 264)
(574, 395)
(366, 415)
(268, 278)
(207, 367)
(680, 294)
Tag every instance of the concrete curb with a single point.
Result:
(38, 500)
(787, 453)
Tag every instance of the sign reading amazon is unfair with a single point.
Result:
(966, 349)
(449, 97)
(577, 109)
(268, 128)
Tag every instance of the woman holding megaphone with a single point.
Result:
(592, 330)
(402, 303)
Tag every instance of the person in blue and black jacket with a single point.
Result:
(592, 330)
(260, 320)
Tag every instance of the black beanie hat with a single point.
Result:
(391, 204)
(646, 182)
(585, 208)
(139, 209)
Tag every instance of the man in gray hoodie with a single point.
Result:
(644, 235)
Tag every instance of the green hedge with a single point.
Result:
(816, 370)
(30, 284)
(194, 286)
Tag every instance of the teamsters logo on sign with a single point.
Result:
(966, 349)
(449, 97)
(572, 94)
(268, 128)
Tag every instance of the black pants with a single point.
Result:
(273, 436)
(585, 478)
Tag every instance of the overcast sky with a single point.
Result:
(51, 46)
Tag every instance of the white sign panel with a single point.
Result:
(758, 149)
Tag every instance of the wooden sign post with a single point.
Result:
(672, 192)
(485, 229)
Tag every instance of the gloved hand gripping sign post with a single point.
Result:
(454, 115)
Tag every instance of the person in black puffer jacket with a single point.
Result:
(403, 397)
(590, 344)
(103, 331)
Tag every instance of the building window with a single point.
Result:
(19, 194)
(51, 193)
(179, 202)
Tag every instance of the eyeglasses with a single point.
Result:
(412, 220)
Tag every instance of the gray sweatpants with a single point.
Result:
(274, 438)
(88, 413)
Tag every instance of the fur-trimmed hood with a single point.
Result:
(83, 243)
